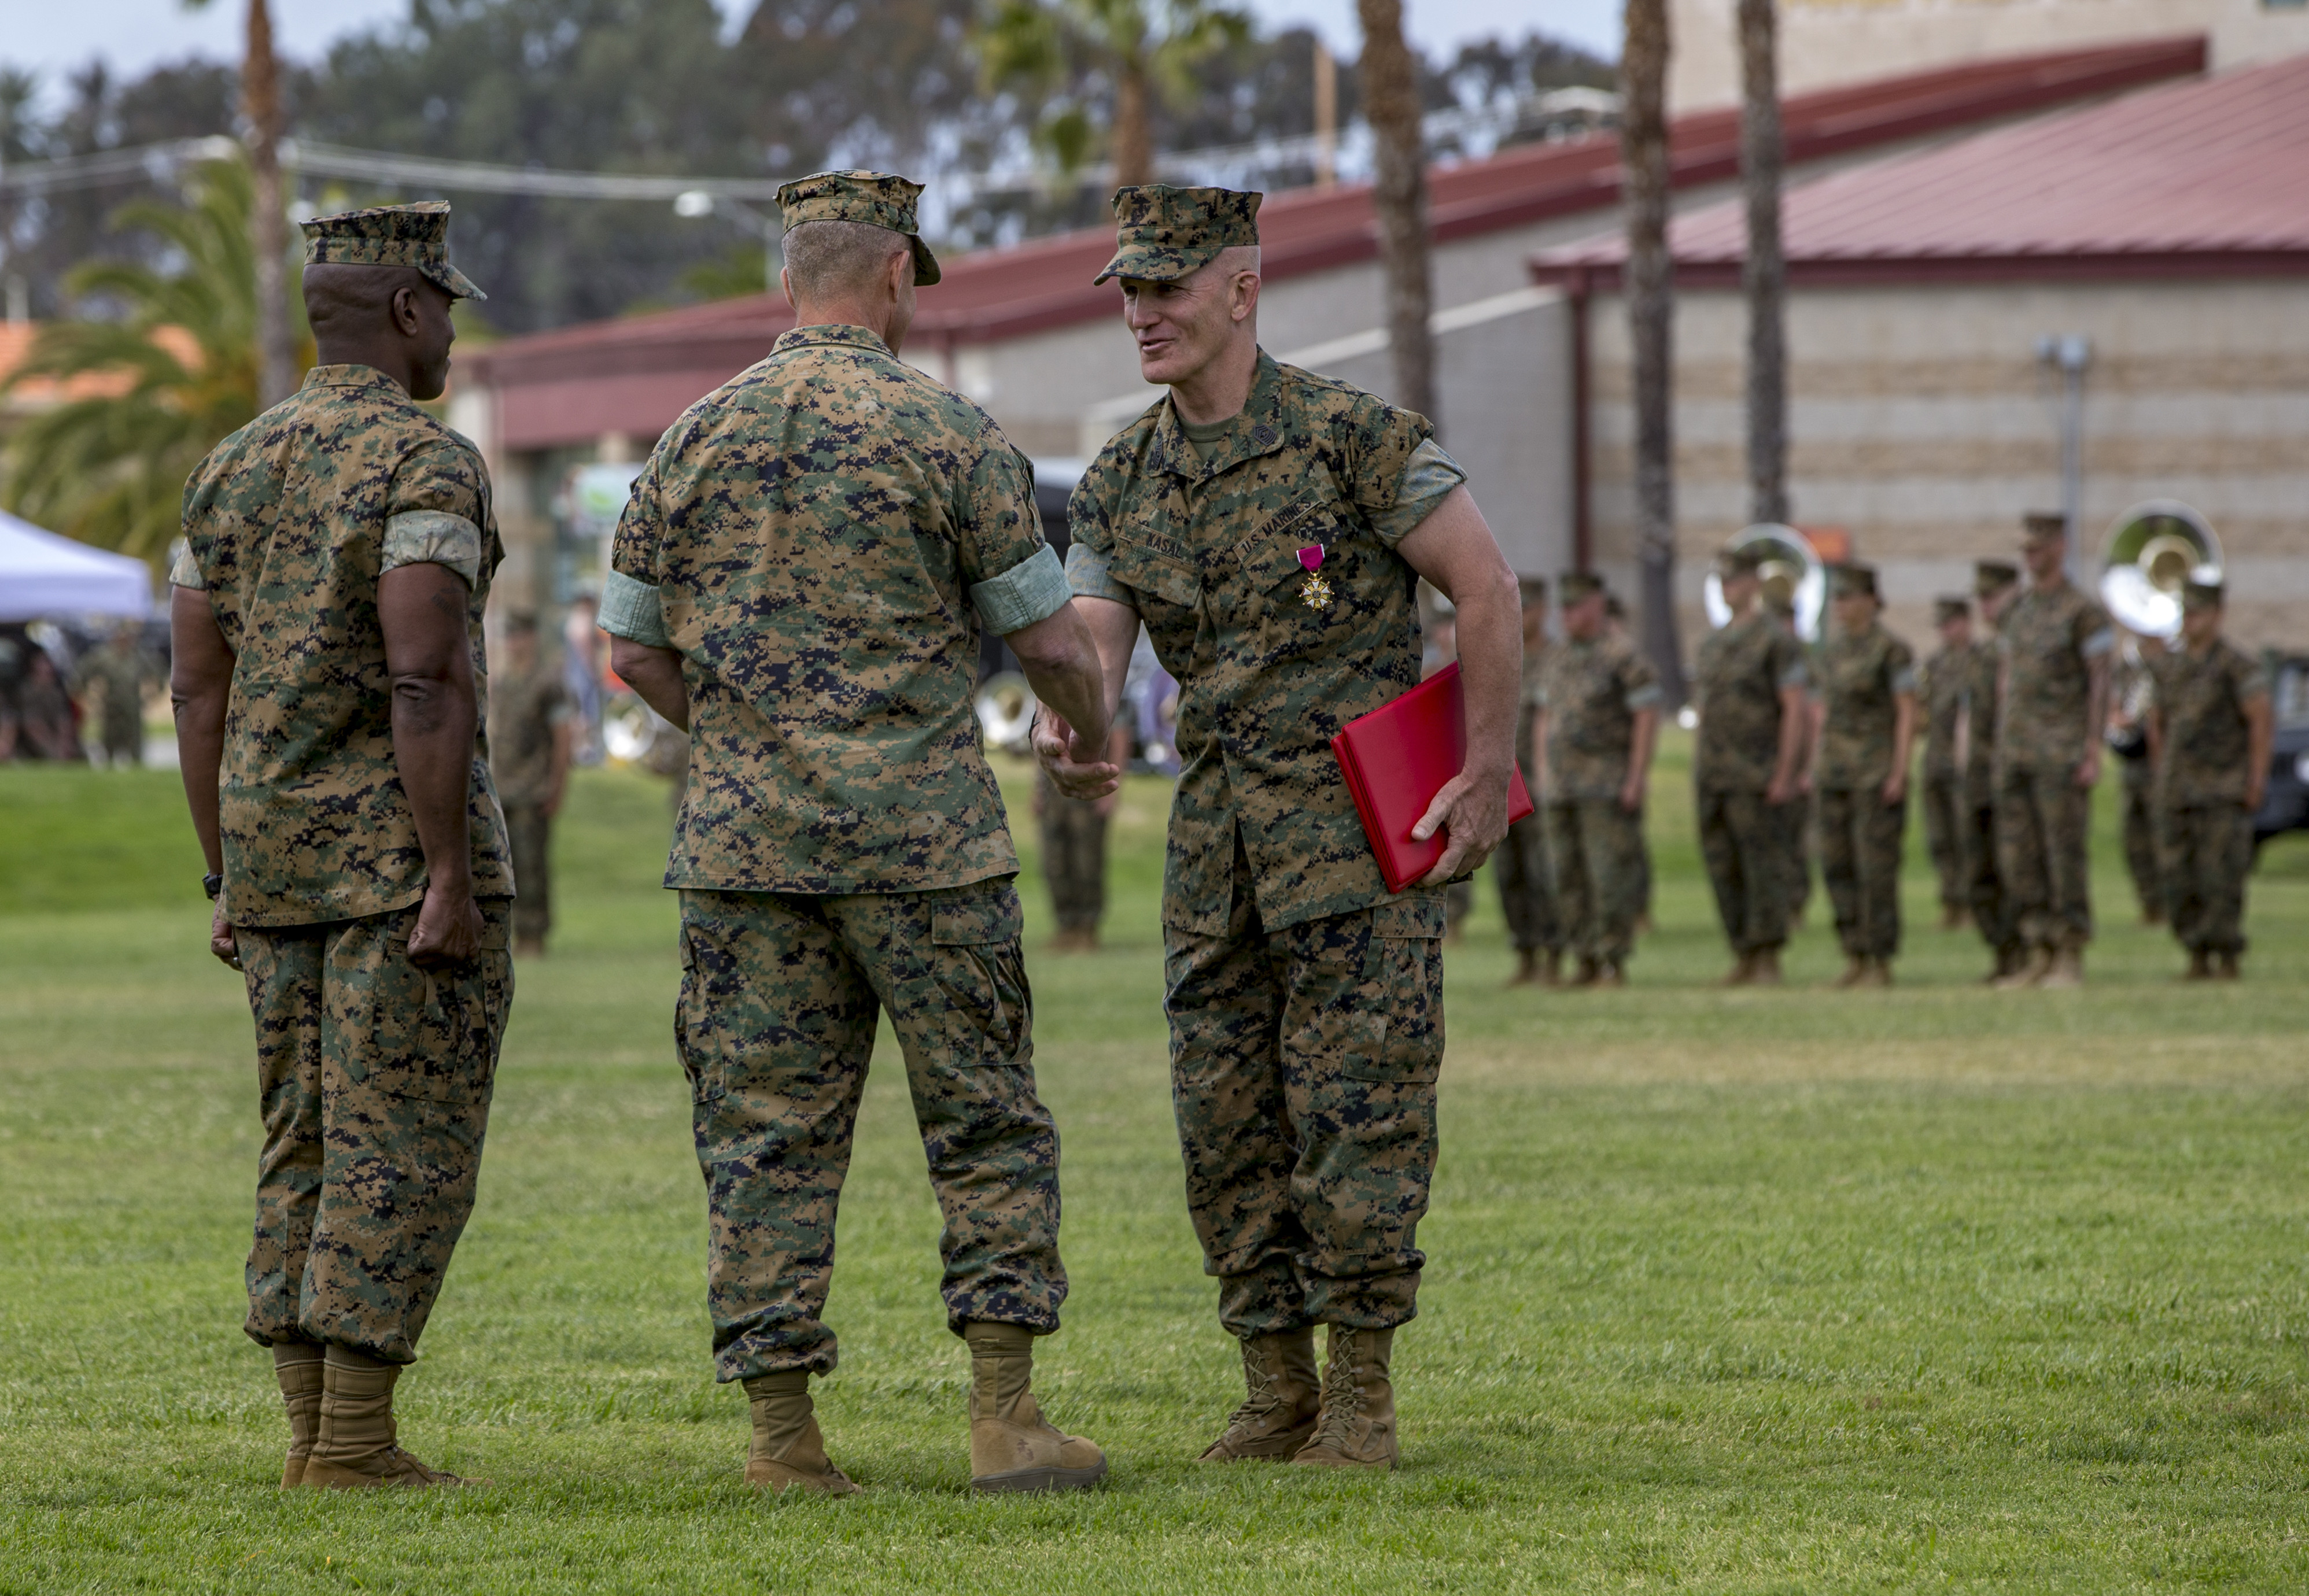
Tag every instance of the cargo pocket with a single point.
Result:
(1400, 1040)
(431, 1034)
(980, 969)
(697, 1036)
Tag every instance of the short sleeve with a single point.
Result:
(1428, 480)
(631, 607)
(184, 571)
(633, 611)
(1089, 543)
(2252, 680)
(1639, 685)
(1789, 658)
(2096, 634)
(996, 527)
(435, 511)
(1383, 443)
(1900, 666)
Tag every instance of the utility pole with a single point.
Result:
(2069, 353)
(1327, 116)
(1651, 307)
(1389, 78)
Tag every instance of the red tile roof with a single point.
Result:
(636, 374)
(2209, 177)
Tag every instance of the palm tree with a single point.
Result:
(1389, 77)
(1643, 161)
(172, 378)
(261, 110)
(1142, 47)
(1763, 275)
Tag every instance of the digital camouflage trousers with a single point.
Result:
(1860, 839)
(2140, 850)
(374, 1079)
(1942, 801)
(1596, 851)
(530, 832)
(2208, 853)
(2042, 820)
(1074, 861)
(1992, 909)
(1303, 1064)
(1527, 896)
(1746, 842)
(779, 998)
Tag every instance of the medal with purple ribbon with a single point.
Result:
(1314, 592)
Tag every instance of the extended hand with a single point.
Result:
(1472, 814)
(222, 942)
(2088, 769)
(448, 929)
(1077, 764)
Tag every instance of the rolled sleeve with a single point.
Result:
(1644, 697)
(432, 538)
(2099, 643)
(1033, 590)
(631, 610)
(184, 571)
(1088, 576)
(1904, 679)
(1429, 478)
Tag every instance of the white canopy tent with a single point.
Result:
(44, 574)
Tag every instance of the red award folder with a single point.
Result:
(1397, 758)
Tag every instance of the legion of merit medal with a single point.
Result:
(1315, 591)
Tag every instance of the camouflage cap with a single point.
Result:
(1164, 233)
(1853, 581)
(415, 235)
(1738, 562)
(878, 199)
(1994, 576)
(1952, 607)
(1576, 586)
(2040, 524)
(2203, 591)
(1533, 590)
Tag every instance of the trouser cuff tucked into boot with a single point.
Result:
(1284, 1393)
(1356, 1426)
(354, 1448)
(787, 1449)
(297, 1366)
(1012, 1446)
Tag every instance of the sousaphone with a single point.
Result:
(2150, 551)
(1792, 574)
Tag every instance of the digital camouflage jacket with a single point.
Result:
(288, 526)
(1264, 568)
(1939, 708)
(1861, 675)
(1591, 692)
(2203, 698)
(2046, 642)
(821, 538)
(1742, 671)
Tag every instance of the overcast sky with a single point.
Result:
(133, 35)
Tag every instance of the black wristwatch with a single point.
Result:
(212, 884)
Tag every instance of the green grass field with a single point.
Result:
(1793, 1290)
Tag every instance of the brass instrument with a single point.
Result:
(2150, 551)
(1792, 575)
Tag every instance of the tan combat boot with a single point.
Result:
(1590, 972)
(1278, 1415)
(1764, 967)
(297, 1366)
(2067, 970)
(2201, 965)
(1879, 973)
(1356, 1427)
(1012, 1446)
(1611, 973)
(2225, 965)
(1742, 973)
(1855, 972)
(2030, 968)
(786, 1449)
(353, 1448)
(1527, 974)
(1551, 967)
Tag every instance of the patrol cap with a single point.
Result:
(2038, 525)
(876, 199)
(1576, 586)
(1533, 590)
(1990, 577)
(1163, 234)
(1738, 562)
(2203, 590)
(415, 235)
(1952, 607)
(1854, 581)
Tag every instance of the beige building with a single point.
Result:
(1828, 42)
(2168, 231)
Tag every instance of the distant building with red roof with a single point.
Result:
(2169, 229)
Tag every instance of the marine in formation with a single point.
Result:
(1267, 526)
(1867, 723)
(1526, 894)
(799, 582)
(1940, 707)
(328, 676)
(1996, 583)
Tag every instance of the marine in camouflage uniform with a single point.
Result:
(1598, 702)
(117, 672)
(1940, 696)
(1742, 769)
(1306, 1002)
(2210, 702)
(2129, 689)
(375, 1064)
(814, 546)
(531, 716)
(2053, 649)
(1867, 685)
(1994, 584)
(1526, 893)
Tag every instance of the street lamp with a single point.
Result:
(693, 204)
(2069, 353)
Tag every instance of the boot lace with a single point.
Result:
(1342, 1400)
(1261, 1398)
